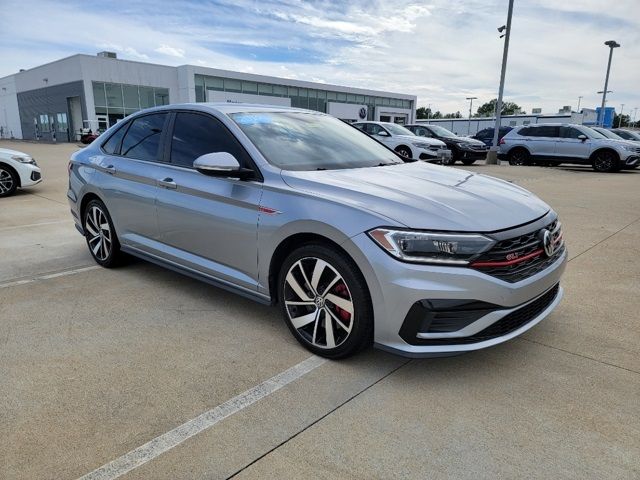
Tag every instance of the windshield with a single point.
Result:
(308, 141)
(608, 134)
(592, 133)
(396, 129)
(442, 132)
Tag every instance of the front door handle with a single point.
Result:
(110, 169)
(168, 183)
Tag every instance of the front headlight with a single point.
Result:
(23, 159)
(630, 148)
(425, 146)
(426, 247)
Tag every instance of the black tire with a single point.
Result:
(102, 241)
(605, 161)
(8, 181)
(343, 281)
(519, 156)
(404, 152)
(469, 161)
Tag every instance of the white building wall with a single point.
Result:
(9, 113)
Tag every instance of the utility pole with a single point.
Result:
(579, 100)
(492, 157)
(611, 44)
(471, 99)
(620, 117)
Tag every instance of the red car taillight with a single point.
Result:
(501, 142)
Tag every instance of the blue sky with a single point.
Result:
(440, 50)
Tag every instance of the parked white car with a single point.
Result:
(405, 142)
(17, 170)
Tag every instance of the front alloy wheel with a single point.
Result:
(325, 302)
(605, 161)
(8, 182)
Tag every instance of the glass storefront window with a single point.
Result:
(332, 96)
(231, 85)
(249, 87)
(280, 90)
(342, 97)
(265, 89)
(131, 99)
(162, 96)
(114, 94)
(351, 98)
(214, 83)
(146, 97)
(99, 98)
(199, 81)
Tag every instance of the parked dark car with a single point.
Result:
(486, 134)
(465, 149)
(627, 134)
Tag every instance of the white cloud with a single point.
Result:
(171, 51)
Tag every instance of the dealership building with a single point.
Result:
(57, 100)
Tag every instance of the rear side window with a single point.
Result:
(142, 140)
(195, 134)
(112, 145)
(544, 131)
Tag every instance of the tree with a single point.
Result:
(437, 114)
(424, 112)
(453, 115)
(488, 109)
(626, 120)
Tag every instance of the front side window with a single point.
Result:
(310, 141)
(196, 134)
(442, 132)
(396, 129)
(142, 140)
(570, 132)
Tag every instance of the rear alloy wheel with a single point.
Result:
(100, 234)
(8, 182)
(519, 156)
(468, 161)
(325, 302)
(404, 151)
(605, 161)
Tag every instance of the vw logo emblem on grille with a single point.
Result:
(547, 242)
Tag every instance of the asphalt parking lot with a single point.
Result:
(95, 363)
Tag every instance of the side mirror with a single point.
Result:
(582, 137)
(221, 164)
(382, 133)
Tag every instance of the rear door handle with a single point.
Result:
(168, 183)
(110, 169)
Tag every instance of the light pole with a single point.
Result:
(620, 117)
(471, 99)
(611, 44)
(635, 110)
(428, 111)
(579, 100)
(492, 157)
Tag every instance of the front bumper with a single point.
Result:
(434, 155)
(468, 153)
(631, 161)
(396, 286)
(30, 175)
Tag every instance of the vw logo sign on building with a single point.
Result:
(363, 113)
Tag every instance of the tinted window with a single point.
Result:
(543, 131)
(143, 137)
(570, 132)
(423, 132)
(195, 134)
(112, 145)
(487, 132)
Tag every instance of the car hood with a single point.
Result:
(417, 139)
(470, 140)
(423, 196)
(6, 152)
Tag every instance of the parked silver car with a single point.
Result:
(556, 143)
(298, 208)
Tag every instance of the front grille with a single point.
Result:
(505, 325)
(524, 246)
(481, 148)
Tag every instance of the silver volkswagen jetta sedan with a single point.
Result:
(297, 208)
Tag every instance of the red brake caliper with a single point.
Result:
(341, 290)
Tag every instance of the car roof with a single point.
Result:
(228, 108)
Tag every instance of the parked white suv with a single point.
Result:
(17, 170)
(405, 142)
(566, 143)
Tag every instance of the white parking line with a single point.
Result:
(29, 225)
(208, 419)
(64, 273)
